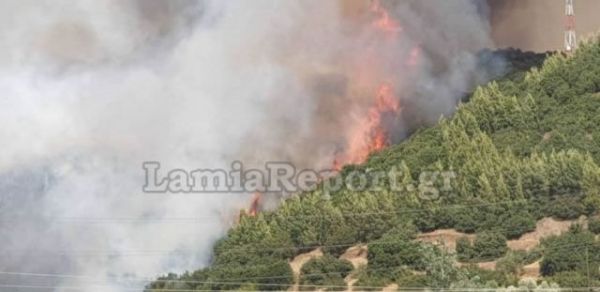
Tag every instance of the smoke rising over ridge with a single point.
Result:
(91, 89)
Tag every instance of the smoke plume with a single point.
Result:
(91, 89)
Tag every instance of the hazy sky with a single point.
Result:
(539, 24)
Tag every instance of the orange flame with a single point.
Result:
(255, 202)
(370, 134)
(384, 22)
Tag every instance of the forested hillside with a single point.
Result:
(521, 149)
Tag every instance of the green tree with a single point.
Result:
(325, 270)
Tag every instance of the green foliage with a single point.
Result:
(487, 246)
(573, 279)
(517, 223)
(522, 148)
(464, 249)
(594, 225)
(394, 250)
(511, 265)
(576, 250)
(325, 270)
(382, 210)
(475, 277)
(231, 277)
(259, 274)
(529, 284)
(435, 269)
(439, 267)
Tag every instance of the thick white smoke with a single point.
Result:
(91, 89)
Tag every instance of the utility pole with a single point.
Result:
(570, 35)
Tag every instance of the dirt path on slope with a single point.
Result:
(299, 261)
(544, 228)
(357, 256)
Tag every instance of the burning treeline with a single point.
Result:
(372, 130)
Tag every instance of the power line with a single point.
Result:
(324, 246)
(229, 280)
(256, 247)
(182, 281)
(199, 219)
(82, 288)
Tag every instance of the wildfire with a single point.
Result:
(383, 21)
(370, 134)
(254, 204)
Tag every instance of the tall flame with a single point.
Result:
(384, 22)
(369, 134)
(254, 204)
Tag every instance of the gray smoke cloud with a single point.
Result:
(91, 89)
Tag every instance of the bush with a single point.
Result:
(426, 221)
(487, 246)
(576, 250)
(512, 263)
(466, 221)
(368, 279)
(487, 277)
(412, 280)
(396, 249)
(532, 256)
(373, 280)
(325, 270)
(566, 208)
(258, 275)
(464, 249)
(594, 225)
(571, 279)
(518, 224)
(439, 267)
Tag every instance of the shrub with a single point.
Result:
(518, 224)
(325, 270)
(368, 279)
(566, 208)
(486, 278)
(396, 249)
(489, 245)
(571, 279)
(594, 225)
(512, 263)
(532, 256)
(575, 250)
(464, 249)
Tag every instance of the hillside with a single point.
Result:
(520, 150)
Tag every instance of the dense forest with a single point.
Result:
(522, 148)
